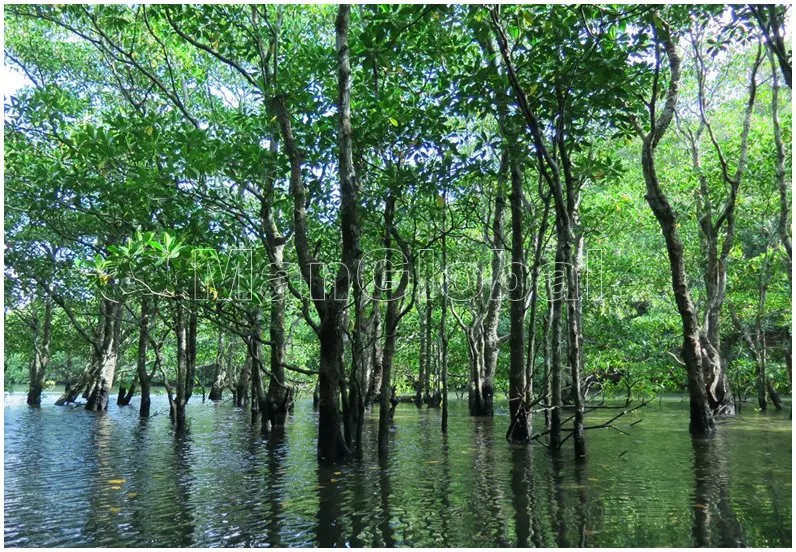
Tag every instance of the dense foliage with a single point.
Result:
(165, 165)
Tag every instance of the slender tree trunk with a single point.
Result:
(555, 328)
(520, 421)
(429, 342)
(276, 404)
(217, 388)
(143, 343)
(548, 353)
(443, 318)
(181, 395)
(242, 385)
(394, 302)
(376, 352)
(420, 385)
(782, 186)
(259, 406)
(701, 418)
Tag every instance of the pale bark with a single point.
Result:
(40, 363)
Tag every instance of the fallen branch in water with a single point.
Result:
(606, 425)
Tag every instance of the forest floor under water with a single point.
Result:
(78, 478)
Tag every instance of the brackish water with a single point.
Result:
(77, 478)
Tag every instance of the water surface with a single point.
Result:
(77, 478)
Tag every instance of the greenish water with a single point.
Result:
(75, 478)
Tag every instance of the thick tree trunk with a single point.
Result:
(100, 385)
(332, 446)
(42, 335)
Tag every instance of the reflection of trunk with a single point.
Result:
(523, 498)
(107, 357)
(39, 365)
(329, 529)
(558, 506)
(217, 387)
(385, 493)
(126, 395)
(715, 523)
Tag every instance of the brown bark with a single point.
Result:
(332, 445)
(443, 330)
(701, 419)
(392, 318)
(519, 387)
(144, 378)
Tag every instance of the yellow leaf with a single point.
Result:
(149, 130)
(115, 488)
(393, 122)
(116, 481)
(440, 201)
